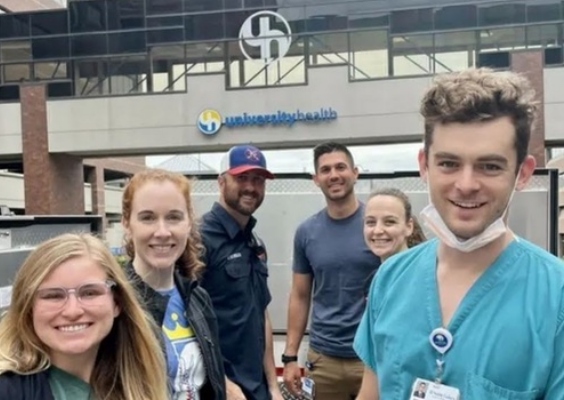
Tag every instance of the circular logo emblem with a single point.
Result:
(267, 34)
(209, 122)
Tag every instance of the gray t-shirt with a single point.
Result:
(335, 253)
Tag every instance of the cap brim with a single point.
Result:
(247, 168)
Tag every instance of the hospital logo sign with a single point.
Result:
(210, 121)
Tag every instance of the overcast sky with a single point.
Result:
(382, 158)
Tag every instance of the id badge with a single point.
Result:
(308, 388)
(429, 390)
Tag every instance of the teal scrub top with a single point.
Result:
(65, 386)
(508, 332)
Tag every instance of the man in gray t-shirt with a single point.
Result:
(332, 263)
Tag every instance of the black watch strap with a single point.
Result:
(288, 359)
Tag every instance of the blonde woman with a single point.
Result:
(75, 330)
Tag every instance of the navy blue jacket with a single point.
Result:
(25, 387)
(236, 280)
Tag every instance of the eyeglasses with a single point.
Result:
(89, 294)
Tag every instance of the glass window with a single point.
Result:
(202, 58)
(204, 26)
(369, 54)
(127, 42)
(170, 35)
(15, 51)
(53, 47)
(506, 39)
(16, 72)
(168, 69)
(543, 36)
(92, 78)
(232, 4)
(553, 56)
(497, 60)
(455, 51)
(50, 71)
(126, 14)
(59, 89)
(128, 75)
(419, 20)
(328, 49)
(210, 5)
(298, 25)
(412, 55)
(544, 12)
(502, 14)
(49, 23)
(160, 7)
(87, 16)
(9, 92)
(456, 17)
(89, 45)
(367, 14)
(258, 3)
(165, 22)
(233, 23)
(14, 25)
(290, 70)
(326, 17)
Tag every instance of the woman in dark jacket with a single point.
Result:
(164, 245)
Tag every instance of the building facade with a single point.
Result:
(128, 47)
(136, 77)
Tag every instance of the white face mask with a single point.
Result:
(435, 223)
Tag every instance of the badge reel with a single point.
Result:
(308, 388)
(441, 340)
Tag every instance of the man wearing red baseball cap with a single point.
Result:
(236, 276)
(240, 159)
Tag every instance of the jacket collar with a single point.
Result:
(183, 284)
(229, 223)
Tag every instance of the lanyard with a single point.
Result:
(441, 340)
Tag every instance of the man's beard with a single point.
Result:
(235, 202)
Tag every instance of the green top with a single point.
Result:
(67, 387)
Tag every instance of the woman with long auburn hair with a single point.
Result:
(75, 329)
(165, 249)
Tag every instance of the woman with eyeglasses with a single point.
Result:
(75, 330)
(164, 245)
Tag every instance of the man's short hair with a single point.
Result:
(480, 94)
(330, 147)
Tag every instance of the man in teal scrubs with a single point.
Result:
(477, 313)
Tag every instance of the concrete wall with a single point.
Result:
(369, 112)
(554, 105)
(10, 130)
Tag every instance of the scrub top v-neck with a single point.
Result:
(504, 329)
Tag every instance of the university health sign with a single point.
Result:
(210, 121)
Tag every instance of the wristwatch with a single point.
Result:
(288, 359)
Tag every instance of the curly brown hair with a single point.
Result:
(481, 94)
(417, 236)
(190, 263)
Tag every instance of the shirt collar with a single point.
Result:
(231, 225)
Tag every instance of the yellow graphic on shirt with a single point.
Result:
(178, 331)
